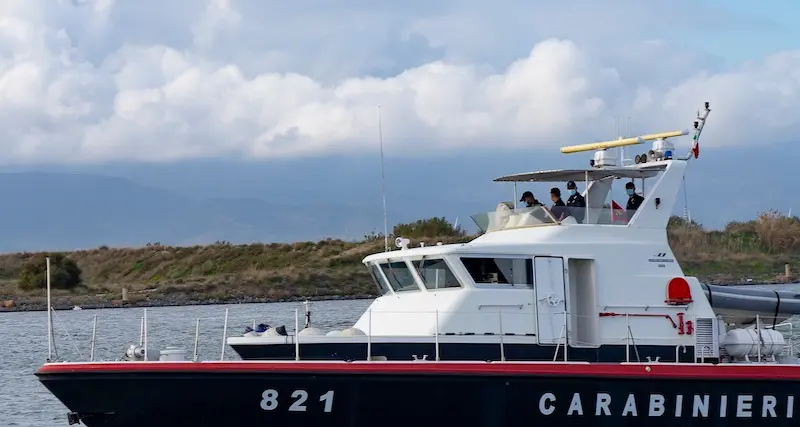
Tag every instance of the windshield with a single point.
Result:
(505, 217)
(399, 276)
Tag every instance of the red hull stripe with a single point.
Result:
(655, 370)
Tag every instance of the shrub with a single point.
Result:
(431, 227)
(64, 273)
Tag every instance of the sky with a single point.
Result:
(96, 81)
(280, 101)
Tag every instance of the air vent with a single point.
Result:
(706, 338)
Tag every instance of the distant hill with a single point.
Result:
(61, 211)
(203, 201)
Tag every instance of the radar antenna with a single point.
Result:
(662, 149)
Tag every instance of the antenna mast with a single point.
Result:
(699, 124)
(686, 214)
(383, 186)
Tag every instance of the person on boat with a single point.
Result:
(531, 201)
(634, 200)
(559, 209)
(576, 203)
(575, 199)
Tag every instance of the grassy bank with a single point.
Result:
(162, 275)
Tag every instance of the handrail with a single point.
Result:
(627, 338)
(677, 352)
(94, 336)
(502, 347)
(369, 336)
(436, 337)
(296, 334)
(505, 334)
(703, 353)
(196, 339)
(224, 336)
(144, 334)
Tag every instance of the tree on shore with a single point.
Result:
(64, 273)
(430, 227)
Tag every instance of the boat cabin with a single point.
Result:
(537, 274)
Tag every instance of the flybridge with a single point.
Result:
(658, 162)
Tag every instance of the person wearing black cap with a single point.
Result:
(559, 210)
(634, 200)
(575, 199)
(528, 198)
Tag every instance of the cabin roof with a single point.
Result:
(415, 251)
(563, 175)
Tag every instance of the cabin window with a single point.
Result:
(436, 274)
(400, 277)
(380, 282)
(503, 271)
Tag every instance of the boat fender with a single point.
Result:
(271, 332)
(311, 332)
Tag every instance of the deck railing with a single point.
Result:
(507, 327)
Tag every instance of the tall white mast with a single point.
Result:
(49, 316)
(383, 186)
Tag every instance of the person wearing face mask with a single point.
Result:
(575, 198)
(576, 203)
(634, 200)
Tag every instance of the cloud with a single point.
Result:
(102, 80)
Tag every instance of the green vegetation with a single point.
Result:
(64, 272)
(756, 249)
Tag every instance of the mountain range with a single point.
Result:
(57, 207)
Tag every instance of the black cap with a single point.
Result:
(526, 194)
(555, 191)
(571, 184)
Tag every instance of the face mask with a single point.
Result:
(572, 192)
(629, 191)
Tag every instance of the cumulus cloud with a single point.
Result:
(102, 80)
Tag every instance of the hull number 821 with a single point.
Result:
(298, 398)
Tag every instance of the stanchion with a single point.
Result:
(224, 336)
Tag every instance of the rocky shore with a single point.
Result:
(89, 302)
(101, 301)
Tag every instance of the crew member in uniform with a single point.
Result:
(575, 198)
(575, 201)
(528, 198)
(559, 209)
(634, 200)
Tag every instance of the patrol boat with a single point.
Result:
(583, 318)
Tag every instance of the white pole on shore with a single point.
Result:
(49, 317)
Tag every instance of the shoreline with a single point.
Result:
(100, 301)
(59, 304)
